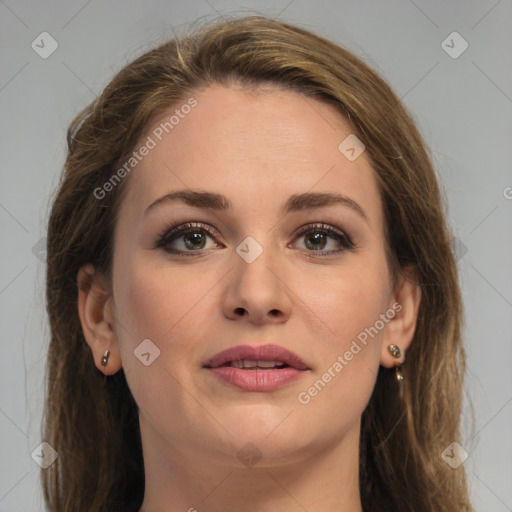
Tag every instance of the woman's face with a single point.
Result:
(279, 266)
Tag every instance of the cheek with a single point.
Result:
(163, 304)
(348, 357)
(154, 303)
(152, 298)
(348, 300)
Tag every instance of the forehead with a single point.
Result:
(252, 145)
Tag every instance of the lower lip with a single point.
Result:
(257, 380)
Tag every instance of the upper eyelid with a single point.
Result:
(213, 232)
(179, 228)
(320, 226)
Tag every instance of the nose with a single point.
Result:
(257, 291)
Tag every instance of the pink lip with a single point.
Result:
(258, 379)
(257, 353)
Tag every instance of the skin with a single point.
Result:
(257, 147)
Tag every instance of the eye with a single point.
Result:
(316, 238)
(192, 236)
(190, 239)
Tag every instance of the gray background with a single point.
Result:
(463, 107)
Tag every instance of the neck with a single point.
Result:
(318, 478)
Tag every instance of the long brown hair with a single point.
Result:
(92, 421)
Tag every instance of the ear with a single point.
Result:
(405, 302)
(97, 319)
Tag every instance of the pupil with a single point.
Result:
(195, 237)
(318, 237)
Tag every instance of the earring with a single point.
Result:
(400, 379)
(395, 351)
(104, 359)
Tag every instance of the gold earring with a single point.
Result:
(395, 351)
(104, 359)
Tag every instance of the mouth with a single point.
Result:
(256, 368)
(247, 364)
(262, 357)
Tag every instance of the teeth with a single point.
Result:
(245, 363)
(269, 364)
(252, 364)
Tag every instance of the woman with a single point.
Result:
(252, 296)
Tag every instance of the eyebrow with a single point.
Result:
(296, 202)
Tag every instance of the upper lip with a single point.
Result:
(256, 353)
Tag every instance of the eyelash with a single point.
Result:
(175, 232)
